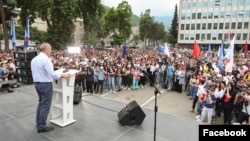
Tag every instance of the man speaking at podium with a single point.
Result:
(43, 74)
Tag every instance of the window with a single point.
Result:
(229, 2)
(222, 13)
(228, 14)
(204, 26)
(216, 3)
(204, 15)
(223, 3)
(238, 36)
(242, 2)
(227, 26)
(184, 5)
(187, 26)
(193, 15)
(215, 26)
(182, 36)
(192, 26)
(214, 36)
(240, 14)
(248, 2)
(211, 4)
(198, 26)
(198, 15)
(216, 15)
(209, 26)
(235, 2)
(183, 16)
(199, 4)
(205, 4)
(208, 36)
(233, 25)
(247, 13)
(234, 14)
(187, 37)
(189, 5)
(182, 26)
(239, 25)
(192, 36)
(194, 5)
(210, 15)
(220, 36)
(188, 16)
(197, 36)
(221, 26)
(246, 25)
(244, 37)
(202, 36)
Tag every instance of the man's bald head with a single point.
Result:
(45, 48)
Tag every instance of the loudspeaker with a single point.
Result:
(77, 95)
(132, 114)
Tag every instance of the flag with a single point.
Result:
(221, 55)
(209, 49)
(160, 49)
(124, 49)
(245, 49)
(13, 33)
(196, 49)
(218, 53)
(27, 34)
(166, 50)
(230, 56)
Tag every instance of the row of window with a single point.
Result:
(214, 3)
(213, 36)
(216, 15)
(215, 26)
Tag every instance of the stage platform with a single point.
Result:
(96, 120)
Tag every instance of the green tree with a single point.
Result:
(174, 27)
(118, 22)
(59, 16)
(146, 23)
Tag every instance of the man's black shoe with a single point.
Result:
(47, 129)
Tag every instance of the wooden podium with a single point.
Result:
(62, 100)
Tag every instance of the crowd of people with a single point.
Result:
(214, 91)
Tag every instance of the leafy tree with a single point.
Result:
(5, 14)
(59, 16)
(174, 27)
(146, 23)
(118, 22)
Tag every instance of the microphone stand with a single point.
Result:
(156, 91)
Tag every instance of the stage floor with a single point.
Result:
(96, 120)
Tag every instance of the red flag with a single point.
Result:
(196, 49)
(245, 49)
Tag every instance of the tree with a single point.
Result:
(6, 14)
(146, 22)
(59, 16)
(118, 22)
(174, 27)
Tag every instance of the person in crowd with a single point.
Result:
(193, 86)
(136, 77)
(170, 74)
(228, 103)
(100, 76)
(89, 79)
(43, 74)
(208, 106)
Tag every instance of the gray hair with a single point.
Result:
(43, 46)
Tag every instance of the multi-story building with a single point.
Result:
(211, 21)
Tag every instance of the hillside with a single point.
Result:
(166, 20)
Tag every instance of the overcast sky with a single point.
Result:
(157, 7)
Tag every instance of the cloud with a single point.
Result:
(157, 7)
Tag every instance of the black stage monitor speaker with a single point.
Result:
(132, 114)
(77, 95)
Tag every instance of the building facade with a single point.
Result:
(211, 21)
